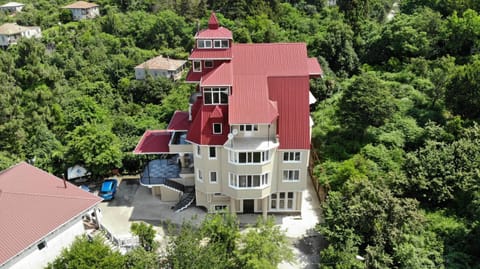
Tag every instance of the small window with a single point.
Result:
(217, 128)
(42, 245)
(220, 207)
(197, 66)
(291, 156)
(208, 64)
(248, 128)
(212, 152)
(213, 177)
(199, 175)
(291, 175)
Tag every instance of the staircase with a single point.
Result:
(175, 185)
(187, 199)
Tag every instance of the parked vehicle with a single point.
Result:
(108, 189)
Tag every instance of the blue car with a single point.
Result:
(108, 189)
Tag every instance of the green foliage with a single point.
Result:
(139, 258)
(146, 234)
(367, 101)
(218, 244)
(85, 253)
(463, 91)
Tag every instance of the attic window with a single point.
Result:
(204, 44)
(220, 44)
(42, 245)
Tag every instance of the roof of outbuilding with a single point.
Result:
(81, 4)
(162, 63)
(34, 203)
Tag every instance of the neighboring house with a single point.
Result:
(83, 10)
(160, 67)
(249, 126)
(12, 7)
(40, 215)
(11, 32)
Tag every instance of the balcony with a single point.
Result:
(251, 144)
(178, 143)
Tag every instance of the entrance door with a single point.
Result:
(248, 206)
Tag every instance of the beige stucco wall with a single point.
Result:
(223, 167)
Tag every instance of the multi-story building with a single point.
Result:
(248, 125)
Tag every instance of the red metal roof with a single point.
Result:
(193, 76)
(292, 96)
(179, 122)
(249, 102)
(201, 131)
(153, 142)
(314, 67)
(211, 54)
(213, 22)
(221, 76)
(34, 203)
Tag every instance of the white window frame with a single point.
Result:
(247, 181)
(204, 43)
(291, 175)
(199, 69)
(199, 175)
(210, 65)
(210, 152)
(292, 156)
(213, 128)
(215, 93)
(220, 43)
(275, 201)
(248, 128)
(216, 177)
(234, 157)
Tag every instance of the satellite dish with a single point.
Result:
(230, 136)
(234, 131)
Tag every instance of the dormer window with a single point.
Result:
(204, 44)
(220, 44)
(208, 64)
(197, 66)
(215, 96)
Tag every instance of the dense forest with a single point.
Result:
(396, 126)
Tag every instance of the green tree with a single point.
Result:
(263, 246)
(366, 101)
(85, 253)
(96, 146)
(146, 234)
(463, 91)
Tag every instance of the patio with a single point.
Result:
(156, 172)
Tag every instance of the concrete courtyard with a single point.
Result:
(134, 202)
